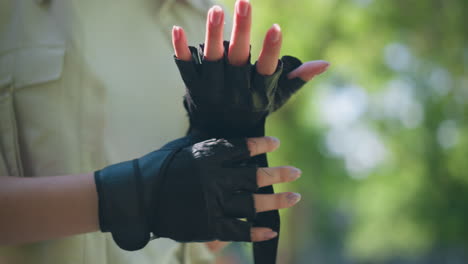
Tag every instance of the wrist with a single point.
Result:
(128, 195)
(120, 205)
(201, 130)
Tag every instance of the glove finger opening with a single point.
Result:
(231, 229)
(188, 69)
(287, 87)
(267, 83)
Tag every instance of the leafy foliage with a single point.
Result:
(382, 137)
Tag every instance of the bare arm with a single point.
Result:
(42, 208)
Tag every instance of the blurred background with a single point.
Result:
(381, 137)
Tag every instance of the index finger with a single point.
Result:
(268, 59)
(260, 145)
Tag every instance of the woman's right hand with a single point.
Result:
(192, 193)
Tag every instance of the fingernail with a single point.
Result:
(275, 35)
(275, 141)
(175, 32)
(243, 7)
(215, 15)
(270, 235)
(324, 68)
(295, 173)
(293, 198)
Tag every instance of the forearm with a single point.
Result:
(42, 208)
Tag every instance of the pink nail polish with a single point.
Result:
(275, 35)
(215, 15)
(275, 141)
(324, 68)
(242, 8)
(295, 173)
(270, 235)
(176, 32)
(293, 198)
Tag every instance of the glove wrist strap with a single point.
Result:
(121, 211)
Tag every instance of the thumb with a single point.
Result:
(309, 70)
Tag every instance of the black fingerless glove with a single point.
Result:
(223, 100)
(191, 193)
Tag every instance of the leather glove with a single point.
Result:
(231, 101)
(223, 100)
(191, 193)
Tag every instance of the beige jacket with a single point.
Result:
(85, 84)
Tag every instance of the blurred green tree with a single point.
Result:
(382, 137)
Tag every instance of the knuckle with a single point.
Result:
(285, 172)
(268, 176)
(243, 27)
(260, 177)
(259, 173)
(252, 145)
(269, 173)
